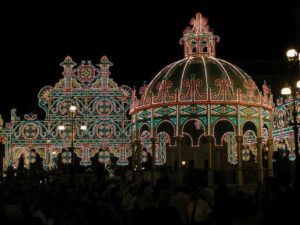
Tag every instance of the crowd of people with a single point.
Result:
(90, 200)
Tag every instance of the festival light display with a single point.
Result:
(200, 103)
(284, 134)
(200, 108)
(101, 109)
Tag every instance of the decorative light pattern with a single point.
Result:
(162, 141)
(198, 124)
(96, 102)
(265, 134)
(250, 144)
(85, 156)
(229, 138)
(32, 157)
(144, 156)
(283, 131)
(104, 156)
(146, 141)
(246, 154)
(124, 151)
(66, 157)
(205, 89)
(199, 40)
(200, 88)
(249, 137)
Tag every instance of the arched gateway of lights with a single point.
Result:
(200, 109)
(99, 126)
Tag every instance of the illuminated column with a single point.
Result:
(239, 140)
(153, 148)
(270, 158)
(210, 165)
(260, 168)
(178, 143)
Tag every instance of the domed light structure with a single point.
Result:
(194, 106)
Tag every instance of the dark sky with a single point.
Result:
(139, 38)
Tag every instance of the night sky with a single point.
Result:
(139, 38)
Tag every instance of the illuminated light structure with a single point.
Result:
(283, 133)
(204, 110)
(287, 121)
(100, 127)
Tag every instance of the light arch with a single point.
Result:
(249, 125)
(167, 127)
(194, 129)
(221, 127)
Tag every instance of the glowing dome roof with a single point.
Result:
(209, 74)
(200, 77)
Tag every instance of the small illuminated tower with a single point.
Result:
(199, 40)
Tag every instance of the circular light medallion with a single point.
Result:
(86, 73)
(29, 131)
(104, 130)
(104, 107)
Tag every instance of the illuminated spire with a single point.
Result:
(198, 40)
(68, 62)
(68, 72)
(104, 71)
(104, 66)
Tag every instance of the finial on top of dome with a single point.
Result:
(198, 40)
(200, 24)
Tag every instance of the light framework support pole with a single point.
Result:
(296, 140)
(260, 168)
(210, 140)
(239, 140)
(139, 158)
(72, 147)
(178, 143)
(133, 158)
(270, 158)
(153, 148)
